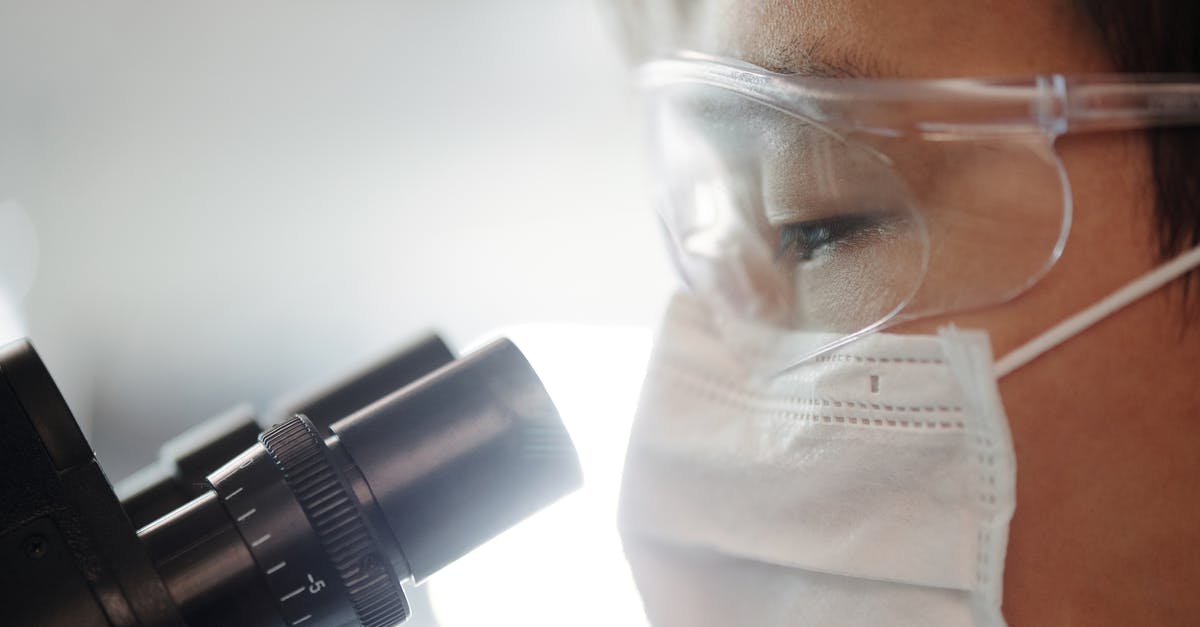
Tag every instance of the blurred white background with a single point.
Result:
(235, 199)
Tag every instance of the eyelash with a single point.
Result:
(800, 241)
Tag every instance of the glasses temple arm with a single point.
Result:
(1112, 106)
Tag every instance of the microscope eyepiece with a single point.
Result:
(179, 474)
(461, 455)
(310, 525)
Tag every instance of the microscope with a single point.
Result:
(382, 478)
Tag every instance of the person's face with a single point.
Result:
(1052, 403)
(939, 39)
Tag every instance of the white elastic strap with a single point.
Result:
(1068, 328)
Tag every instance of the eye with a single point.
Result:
(801, 241)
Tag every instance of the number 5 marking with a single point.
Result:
(315, 585)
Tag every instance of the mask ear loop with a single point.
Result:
(1065, 330)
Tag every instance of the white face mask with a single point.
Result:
(870, 486)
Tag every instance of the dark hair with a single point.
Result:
(1160, 36)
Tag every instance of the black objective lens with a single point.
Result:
(319, 529)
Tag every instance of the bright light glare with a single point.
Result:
(18, 266)
(563, 566)
(10, 323)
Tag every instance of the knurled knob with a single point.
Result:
(300, 454)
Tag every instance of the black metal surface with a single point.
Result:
(40, 398)
(294, 530)
(150, 493)
(202, 449)
(462, 455)
(184, 462)
(365, 386)
(207, 567)
(298, 573)
(332, 511)
(399, 490)
(39, 569)
(179, 474)
(47, 471)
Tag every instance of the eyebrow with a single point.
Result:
(816, 59)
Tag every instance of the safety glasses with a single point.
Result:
(840, 206)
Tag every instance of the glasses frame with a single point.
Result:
(1043, 106)
(1049, 104)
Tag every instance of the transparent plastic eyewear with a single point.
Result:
(839, 206)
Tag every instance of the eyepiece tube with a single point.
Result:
(461, 455)
(332, 523)
(356, 390)
(184, 461)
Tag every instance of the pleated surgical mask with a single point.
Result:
(870, 485)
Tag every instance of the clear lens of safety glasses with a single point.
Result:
(776, 217)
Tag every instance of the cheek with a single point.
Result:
(993, 213)
(1111, 242)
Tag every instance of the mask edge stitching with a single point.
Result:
(704, 386)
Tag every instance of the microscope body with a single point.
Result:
(317, 521)
(70, 555)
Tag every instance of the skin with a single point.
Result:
(1105, 425)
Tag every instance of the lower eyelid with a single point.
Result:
(859, 230)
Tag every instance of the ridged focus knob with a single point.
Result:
(300, 454)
